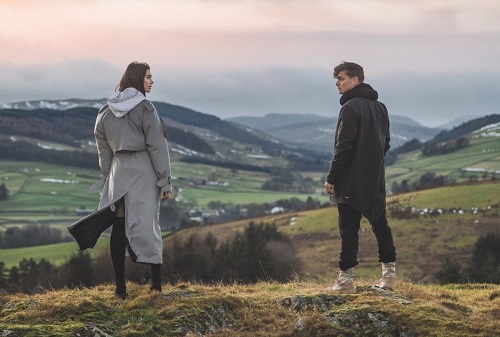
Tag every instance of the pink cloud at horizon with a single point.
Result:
(256, 56)
(57, 30)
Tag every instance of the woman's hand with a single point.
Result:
(166, 195)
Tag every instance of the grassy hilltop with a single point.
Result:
(264, 309)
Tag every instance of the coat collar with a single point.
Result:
(361, 90)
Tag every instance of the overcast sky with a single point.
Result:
(430, 60)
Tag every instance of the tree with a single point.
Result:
(485, 262)
(4, 192)
(77, 271)
(450, 272)
(260, 252)
(3, 276)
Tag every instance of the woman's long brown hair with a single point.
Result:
(134, 77)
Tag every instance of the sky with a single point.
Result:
(430, 60)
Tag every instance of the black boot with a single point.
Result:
(118, 244)
(156, 277)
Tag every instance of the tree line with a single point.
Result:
(24, 151)
(260, 252)
(426, 181)
(30, 236)
(286, 180)
(429, 148)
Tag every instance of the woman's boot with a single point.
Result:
(118, 244)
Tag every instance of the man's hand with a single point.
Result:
(328, 188)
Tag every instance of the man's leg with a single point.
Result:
(386, 252)
(348, 226)
(383, 233)
(349, 220)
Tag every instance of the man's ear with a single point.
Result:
(356, 80)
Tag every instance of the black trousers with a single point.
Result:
(349, 223)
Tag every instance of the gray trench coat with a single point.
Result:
(134, 159)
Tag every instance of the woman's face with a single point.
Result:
(148, 81)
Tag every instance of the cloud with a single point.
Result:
(72, 79)
(430, 60)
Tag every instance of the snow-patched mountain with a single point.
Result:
(55, 104)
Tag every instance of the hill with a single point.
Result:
(466, 128)
(477, 159)
(433, 230)
(295, 309)
(440, 223)
(193, 137)
(316, 132)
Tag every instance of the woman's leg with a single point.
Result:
(118, 244)
(156, 277)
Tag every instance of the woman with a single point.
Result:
(134, 159)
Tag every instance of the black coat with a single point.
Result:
(361, 141)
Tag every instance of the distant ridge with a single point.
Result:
(275, 120)
(316, 132)
(55, 104)
(467, 127)
(456, 122)
(193, 136)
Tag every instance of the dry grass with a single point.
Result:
(255, 310)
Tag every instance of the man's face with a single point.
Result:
(345, 83)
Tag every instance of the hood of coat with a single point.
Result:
(124, 101)
(361, 90)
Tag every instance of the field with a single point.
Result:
(298, 308)
(482, 153)
(422, 243)
(51, 195)
(56, 254)
(42, 193)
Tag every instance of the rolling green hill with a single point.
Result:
(479, 160)
(42, 193)
(423, 241)
(195, 137)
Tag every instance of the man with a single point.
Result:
(356, 179)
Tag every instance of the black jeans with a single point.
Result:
(349, 223)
